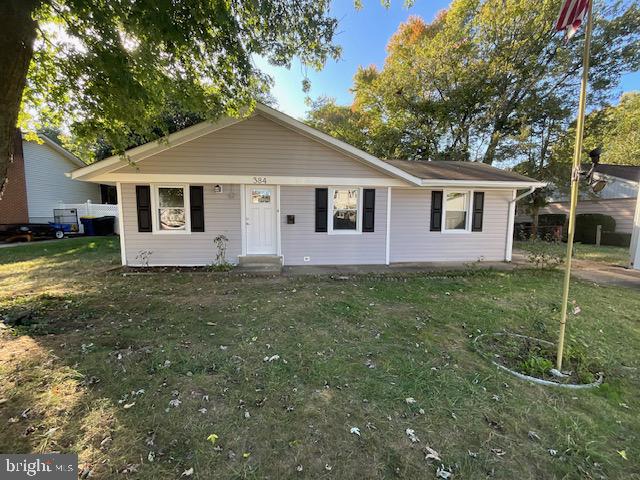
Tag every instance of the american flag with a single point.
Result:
(571, 16)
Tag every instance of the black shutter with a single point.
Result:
(478, 209)
(436, 210)
(196, 204)
(143, 203)
(322, 197)
(369, 209)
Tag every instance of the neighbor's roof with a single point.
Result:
(628, 172)
(456, 170)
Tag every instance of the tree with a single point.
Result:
(476, 82)
(117, 64)
(613, 128)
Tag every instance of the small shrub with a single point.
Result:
(587, 224)
(552, 220)
(536, 366)
(221, 264)
(143, 256)
(544, 260)
(616, 239)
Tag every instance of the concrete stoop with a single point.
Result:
(260, 263)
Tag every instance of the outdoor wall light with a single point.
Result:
(595, 185)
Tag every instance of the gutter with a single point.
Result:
(511, 219)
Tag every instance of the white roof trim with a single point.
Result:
(483, 183)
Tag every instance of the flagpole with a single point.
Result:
(575, 178)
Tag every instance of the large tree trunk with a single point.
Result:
(16, 49)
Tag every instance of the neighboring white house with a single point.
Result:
(38, 182)
(45, 166)
(276, 187)
(617, 199)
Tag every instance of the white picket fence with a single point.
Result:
(90, 209)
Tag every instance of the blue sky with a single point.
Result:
(363, 35)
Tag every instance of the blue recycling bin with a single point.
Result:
(89, 226)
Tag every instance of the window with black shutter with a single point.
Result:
(322, 200)
(436, 211)
(143, 204)
(196, 205)
(369, 209)
(478, 210)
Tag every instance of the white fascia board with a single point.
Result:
(482, 184)
(246, 179)
(344, 147)
(152, 148)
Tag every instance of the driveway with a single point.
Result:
(596, 272)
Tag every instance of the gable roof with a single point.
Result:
(410, 172)
(627, 172)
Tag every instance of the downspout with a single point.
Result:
(511, 221)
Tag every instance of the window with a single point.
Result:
(171, 209)
(260, 196)
(456, 211)
(344, 210)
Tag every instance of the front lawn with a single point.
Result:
(154, 375)
(582, 251)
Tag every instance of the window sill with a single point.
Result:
(171, 232)
(344, 232)
(456, 232)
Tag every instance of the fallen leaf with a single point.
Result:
(412, 435)
(355, 431)
(533, 436)
(127, 406)
(410, 400)
(623, 454)
(431, 454)
(212, 438)
(187, 473)
(443, 472)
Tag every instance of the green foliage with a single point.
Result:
(618, 239)
(113, 68)
(536, 366)
(552, 219)
(485, 80)
(587, 224)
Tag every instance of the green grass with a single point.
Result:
(96, 338)
(602, 254)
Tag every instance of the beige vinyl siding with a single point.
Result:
(412, 241)
(256, 147)
(222, 216)
(47, 184)
(301, 240)
(621, 209)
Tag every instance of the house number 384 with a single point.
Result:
(262, 180)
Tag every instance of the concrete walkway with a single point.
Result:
(595, 272)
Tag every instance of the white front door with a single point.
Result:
(260, 220)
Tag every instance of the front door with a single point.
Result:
(261, 220)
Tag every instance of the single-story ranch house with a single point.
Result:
(276, 187)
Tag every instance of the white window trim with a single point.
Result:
(155, 205)
(469, 219)
(330, 229)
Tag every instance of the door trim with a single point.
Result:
(245, 189)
